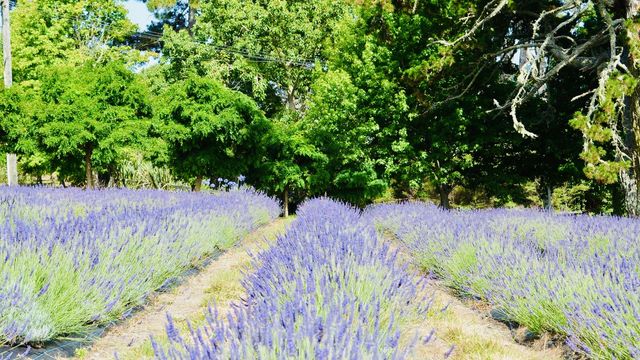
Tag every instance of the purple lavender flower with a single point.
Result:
(95, 255)
(329, 289)
(576, 276)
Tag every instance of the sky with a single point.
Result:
(138, 13)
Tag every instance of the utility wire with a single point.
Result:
(251, 56)
(153, 37)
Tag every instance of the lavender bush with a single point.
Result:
(574, 275)
(71, 260)
(328, 289)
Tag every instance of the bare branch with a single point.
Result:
(480, 22)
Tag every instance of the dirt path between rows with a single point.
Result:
(458, 330)
(471, 333)
(185, 302)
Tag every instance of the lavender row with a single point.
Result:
(578, 276)
(328, 289)
(71, 260)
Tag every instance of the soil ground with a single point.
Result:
(471, 333)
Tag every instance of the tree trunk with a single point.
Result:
(192, 16)
(88, 169)
(197, 185)
(547, 199)
(630, 178)
(291, 98)
(445, 190)
(285, 201)
(291, 104)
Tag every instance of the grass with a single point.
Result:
(474, 337)
(226, 286)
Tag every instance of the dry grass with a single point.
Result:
(474, 335)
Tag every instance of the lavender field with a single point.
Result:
(576, 276)
(72, 260)
(328, 289)
(338, 284)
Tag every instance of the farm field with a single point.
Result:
(219, 282)
(332, 288)
(575, 276)
(74, 260)
(395, 281)
(322, 179)
(328, 289)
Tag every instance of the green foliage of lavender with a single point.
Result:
(71, 260)
(328, 289)
(578, 276)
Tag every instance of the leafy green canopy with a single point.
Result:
(88, 114)
(211, 131)
(46, 33)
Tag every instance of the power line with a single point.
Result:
(252, 56)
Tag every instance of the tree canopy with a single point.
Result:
(211, 131)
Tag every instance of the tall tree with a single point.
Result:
(594, 37)
(388, 51)
(211, 131)
(89, 114)
(177, 14)
(47, 33)
(265, 49)
(334, 124)
(269, 46)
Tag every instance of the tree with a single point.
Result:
(385, 51)
(269, 46)
(291, 164)
(18, 127)
(334, 125)
(88, 115)
(593, 37)
(47, 33)
(446, 131)
(178, 14)
(267, 50)
(211, 131)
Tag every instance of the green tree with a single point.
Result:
(47, 33)
(387, 54)
(19, 106)
(335, 125)
(291, 165)
(269, 46)
(445, 131)
(211, 131)
(267, 50)
(89, 115)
